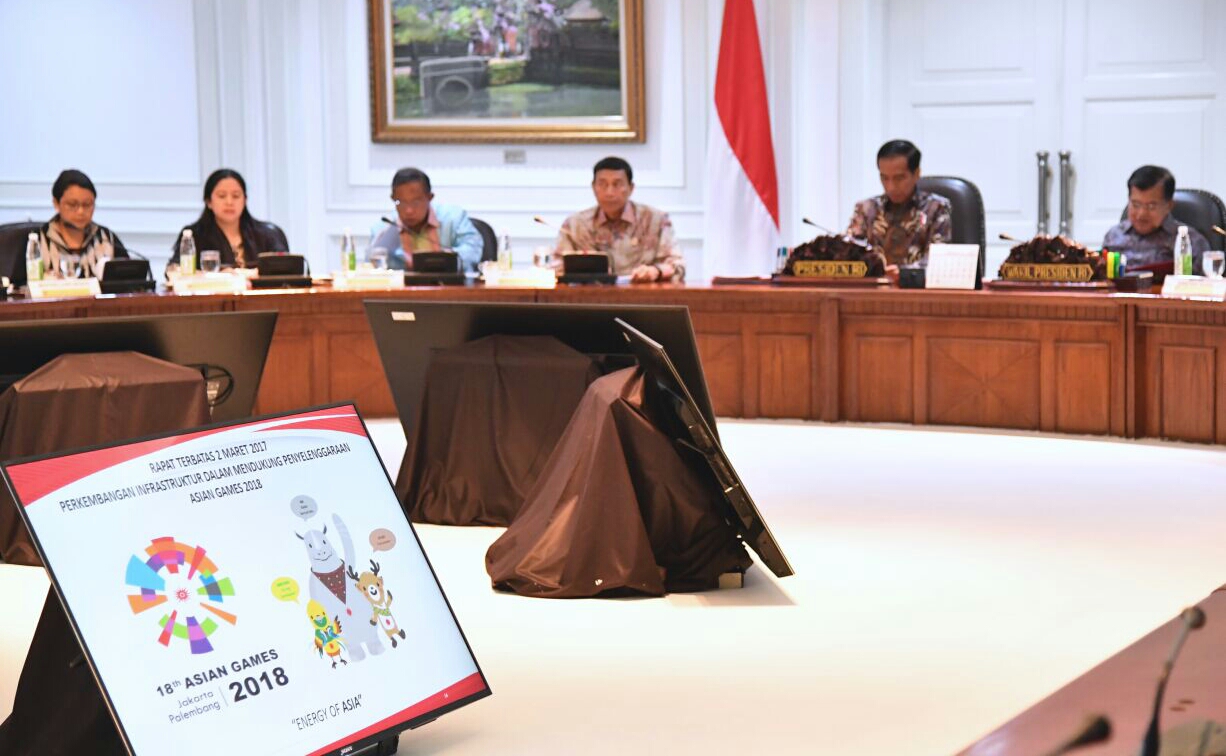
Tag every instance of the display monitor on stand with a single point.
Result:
(407, 333)
(229, 348)
(684, 422)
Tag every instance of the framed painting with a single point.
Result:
(506, 70)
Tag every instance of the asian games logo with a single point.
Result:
(183, 581)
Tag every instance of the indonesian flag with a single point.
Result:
(742, 194)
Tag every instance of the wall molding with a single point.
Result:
(282, 95)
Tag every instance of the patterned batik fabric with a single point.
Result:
(642, 235)
(902, 232)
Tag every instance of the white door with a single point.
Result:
(976, 86)
(982, 86)
(1143, 83)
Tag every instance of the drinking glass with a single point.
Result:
(210, 261)
(377, 257)
(1213, 263)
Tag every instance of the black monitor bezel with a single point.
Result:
(273, 264)
(452, 323)
(741, 511)
(125, 269)
(237, 341)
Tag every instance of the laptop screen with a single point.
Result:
(251, 587)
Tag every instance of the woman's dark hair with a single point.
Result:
(210, 236)
(901, 148)
(217, 176)
(71, 177)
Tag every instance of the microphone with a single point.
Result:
(1193, 619)
(391, 222)
(578, 247)
(1096, 729)
(819, 227)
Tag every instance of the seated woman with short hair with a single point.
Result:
(226, 225)
(71, 244)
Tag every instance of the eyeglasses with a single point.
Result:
(422, 202)
(1149, 207)
(73, 207)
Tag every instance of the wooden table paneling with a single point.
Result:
(1037, 362)
(1181, 370)
(762, 349)
(1121, 365)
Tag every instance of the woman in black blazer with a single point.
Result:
(227, 226)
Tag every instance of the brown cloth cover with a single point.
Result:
(77, 400)
(86, 399)
(616, 510)
(491, 413)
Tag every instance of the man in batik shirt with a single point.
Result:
(638, 239)
(901, 223)
(1147, 235)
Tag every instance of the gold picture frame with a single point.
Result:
(432, 64)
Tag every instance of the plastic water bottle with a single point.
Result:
(34, 259)
(1183, 253)
(504, 252)
(349, 252)
(187, 254)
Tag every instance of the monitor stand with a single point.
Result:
(386, 747)
(731, 580)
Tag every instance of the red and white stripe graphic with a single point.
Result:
(742, 192)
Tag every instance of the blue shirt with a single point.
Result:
(1156, 246)
(456, 233)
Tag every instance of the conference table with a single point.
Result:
(1122, 689)
(1130, 365)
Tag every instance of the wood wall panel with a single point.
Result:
(1086, 377)
(722, 365)
(781, 379)
(1180, 357)
(1188, 389)
(721, 349)
(289, 380)
(882, 390)
(57, 310)
(785, 375)
(1083, 387)
(1058, 362)
(983, 381)
(357, 374)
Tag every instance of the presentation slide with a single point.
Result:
(253, 588)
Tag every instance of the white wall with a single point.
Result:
(167, 90)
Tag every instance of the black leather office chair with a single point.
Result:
(489, 241)
(1202, 211)
(13, 238)
(274, 235)
(966, 213)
